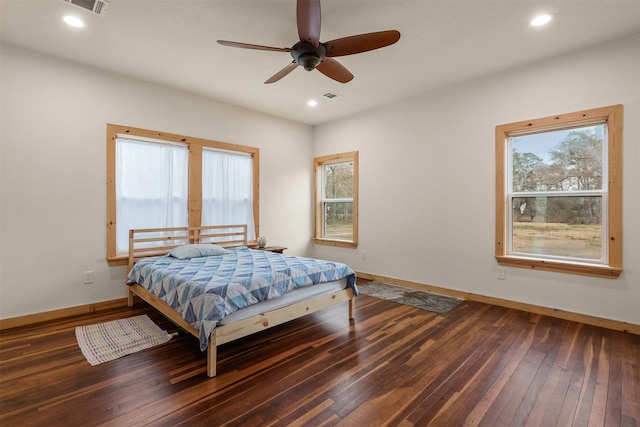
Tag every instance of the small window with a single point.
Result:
(336, 196)
(558, 182)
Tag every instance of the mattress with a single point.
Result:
(297, 295)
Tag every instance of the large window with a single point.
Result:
(559, 189)
(336, 200)
(156, 179)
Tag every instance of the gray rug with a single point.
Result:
(425, 300)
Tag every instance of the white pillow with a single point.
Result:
(197, 250)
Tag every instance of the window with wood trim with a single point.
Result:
(336, 200)
(157, 179)
(559, 193)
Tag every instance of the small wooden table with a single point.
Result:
(276, 249)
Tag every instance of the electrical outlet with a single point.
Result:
(88, 277)
(502, 273)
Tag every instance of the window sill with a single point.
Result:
(584, 269)
(118, 260)
(338, 243)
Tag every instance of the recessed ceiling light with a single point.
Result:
(312, 103)
(73, 21)
(541, 20)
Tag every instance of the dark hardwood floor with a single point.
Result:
(396, 365)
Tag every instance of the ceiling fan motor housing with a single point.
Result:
(307, 55)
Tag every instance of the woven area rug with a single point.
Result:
(425, 300)
(111, 340)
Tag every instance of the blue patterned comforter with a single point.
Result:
(205, 289)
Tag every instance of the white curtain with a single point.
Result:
(151, 186)
(227, 189)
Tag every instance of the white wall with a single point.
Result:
(427, 174)
(53, 173)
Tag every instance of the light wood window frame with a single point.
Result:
(194, 207)
(318, 164)
(613, 116)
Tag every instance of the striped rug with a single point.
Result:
(111, 340)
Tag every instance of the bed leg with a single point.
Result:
(129, 297)
(212, 355)
(352, 308)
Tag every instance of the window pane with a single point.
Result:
(338, 181)
(151, 187)
(227, 189)
(563, 160)
(558, 226)
(338, 220)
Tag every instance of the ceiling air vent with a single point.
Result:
(99, 7)
(331, 95)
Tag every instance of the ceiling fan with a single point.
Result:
(311, 54)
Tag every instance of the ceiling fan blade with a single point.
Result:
(308, 14)
(253, 46)
(361, 43)
(280, 74)
(335, 70)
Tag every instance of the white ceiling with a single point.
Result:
(173, 43)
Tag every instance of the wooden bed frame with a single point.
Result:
(226, 236)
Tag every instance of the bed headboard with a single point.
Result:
(146, 242)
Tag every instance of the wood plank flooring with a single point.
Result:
(478, 365)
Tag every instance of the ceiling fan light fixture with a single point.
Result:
(307, 55)
(309, 61)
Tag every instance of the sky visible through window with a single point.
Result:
(540, 143)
